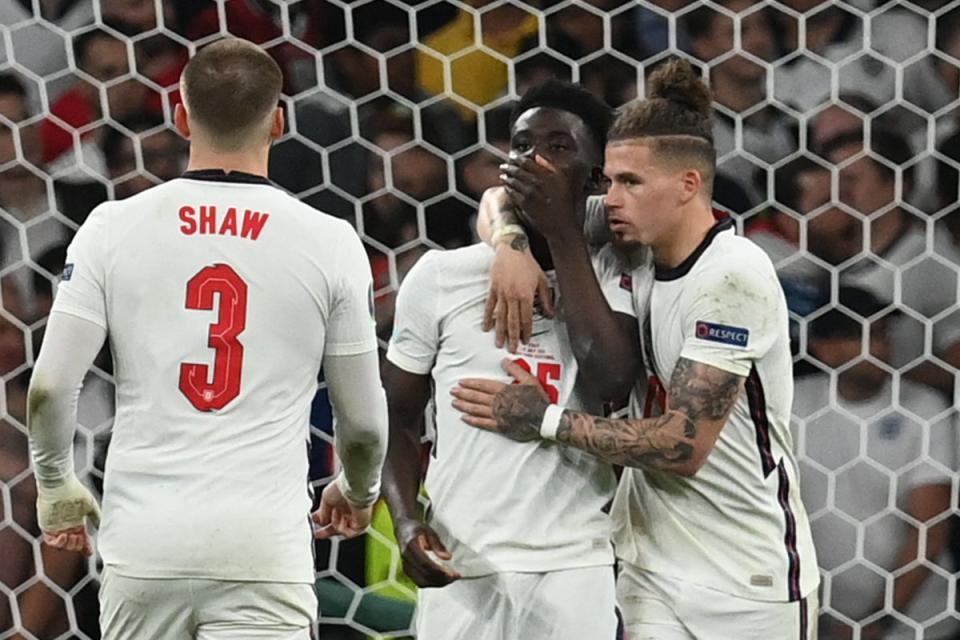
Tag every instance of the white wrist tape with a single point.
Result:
(507, 230)
(551, 422)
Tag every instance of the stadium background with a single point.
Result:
(398, 116)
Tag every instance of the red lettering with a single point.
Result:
(208, 219)
(229, 223)
(656, 401)
(188, 217)
(253, 222)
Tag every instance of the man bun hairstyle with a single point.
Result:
(675, 119)
(231, 88)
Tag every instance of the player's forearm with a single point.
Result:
(606, 350)
(51, 414)
(497, 217)
(70, 344)
(407, 397)
(361, 447)
(665, 443)
(360, 407)
(401, 478)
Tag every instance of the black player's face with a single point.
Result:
(559, 136)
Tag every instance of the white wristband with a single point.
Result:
(551, 422)
(507, 230)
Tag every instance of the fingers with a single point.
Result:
(430, 540)
(482, 384)
(474, 396)
(545, 292)
(487, 424)
(72, 539)
(500, 323)
(526, 323)
(513, 324)
(521, 375)
(489, 309)
(521, 169)
(421, 562)
(474, 409)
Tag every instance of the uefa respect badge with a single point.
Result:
(722, 333)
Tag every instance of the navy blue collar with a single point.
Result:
(219, 175)
(684, 267)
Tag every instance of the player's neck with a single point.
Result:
(692, 227)
(253, 161)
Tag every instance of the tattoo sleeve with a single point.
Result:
(699, 401)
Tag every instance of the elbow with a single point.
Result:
(610, 385)
(691, 466)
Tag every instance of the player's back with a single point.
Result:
(217, 293)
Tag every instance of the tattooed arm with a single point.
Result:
(699, 401)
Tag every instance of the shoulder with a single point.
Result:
(737, 267)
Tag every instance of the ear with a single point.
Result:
(690, 183)
(276, 129)
(180, 120)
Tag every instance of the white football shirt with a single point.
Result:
(738, 525)
(220, 295)
(500, 505)
(878, 450)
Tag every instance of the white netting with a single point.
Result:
(836, 125)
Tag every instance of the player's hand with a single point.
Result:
(547, 196)
(62, 513)
(514, 410)
(422, 550)
(516, 283)
(337, 516)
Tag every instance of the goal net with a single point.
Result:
(836, 125)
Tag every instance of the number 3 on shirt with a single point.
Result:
(211, 394)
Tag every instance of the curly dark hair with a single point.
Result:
(570, 97)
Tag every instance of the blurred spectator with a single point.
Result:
(802, 192)
(837, 35)
(25, 230)
(106, 59)
(476, 76)
(899, 269)
(739, 84)
(912, 447)
(653, 27)
(163, 154)
(481, 169)
(531, 69)
(848, 114)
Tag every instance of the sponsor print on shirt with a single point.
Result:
(725, 334)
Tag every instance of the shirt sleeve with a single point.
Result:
(732, 317)
(351, 327)
(616, 281)
(82, 288)
(595, 227)
(416, 325)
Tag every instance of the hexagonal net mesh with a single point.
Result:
(837, 134)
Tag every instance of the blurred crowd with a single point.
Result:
(837, 129)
